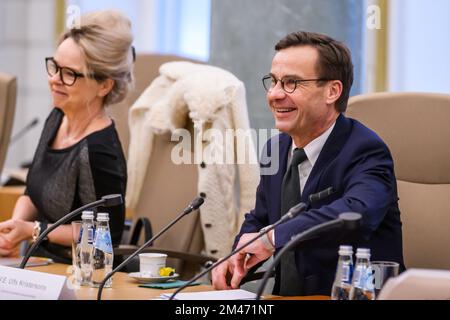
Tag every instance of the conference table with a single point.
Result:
(123, 287)
(8, 198)
(126, 288)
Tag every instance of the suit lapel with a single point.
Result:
(330, 150)
(284, 148)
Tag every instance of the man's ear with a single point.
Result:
(334, 91)
(105, 87)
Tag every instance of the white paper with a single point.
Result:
(32, 262)
(237, 294)
(21, 284)
(418, 284)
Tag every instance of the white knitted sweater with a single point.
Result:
(212, 98)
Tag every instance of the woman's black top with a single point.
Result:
(61, 180)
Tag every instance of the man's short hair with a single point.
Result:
(334, 63)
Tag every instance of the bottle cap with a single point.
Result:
(345, 250)
(363, 253)
(102, 216)
(87, 214)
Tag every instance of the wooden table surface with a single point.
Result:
(8, 198)
(126, 288)
(123, 287)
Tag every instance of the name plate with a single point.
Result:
(20, 284)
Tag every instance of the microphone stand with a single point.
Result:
(293, 212)
(106, 201)
(349, 220)
(196, 203)
(24, 130)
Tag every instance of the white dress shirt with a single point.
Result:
(312, 151)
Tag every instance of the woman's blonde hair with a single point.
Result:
(105, 40)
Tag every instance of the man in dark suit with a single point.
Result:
(307, 91)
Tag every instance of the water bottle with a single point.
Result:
(343, 278)
(102, 259)
(85, 247)
(362, 283)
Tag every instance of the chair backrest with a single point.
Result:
(168, 188)
(415, 126)
(8, 92)
(146, 69)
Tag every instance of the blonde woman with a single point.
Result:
(79, 157)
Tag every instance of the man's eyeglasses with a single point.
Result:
(67, 75)
(287, 84)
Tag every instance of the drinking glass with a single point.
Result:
(383, 270)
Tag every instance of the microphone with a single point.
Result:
(24, 130)
(292, 213)
(347, 220)
(195, 204)
(106, 201)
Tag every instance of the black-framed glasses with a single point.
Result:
(288, 84)
(67, 75)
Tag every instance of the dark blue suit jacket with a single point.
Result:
(358, 165)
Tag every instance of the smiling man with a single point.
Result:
(307, 91)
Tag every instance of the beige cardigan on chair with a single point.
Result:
(214, 99)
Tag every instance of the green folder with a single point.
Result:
(167, 285)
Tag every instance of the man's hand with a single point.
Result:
(237, 266)
(256, 251)
(220, 274)
(234, 268)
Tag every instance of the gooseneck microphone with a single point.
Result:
(347, 220)
(106, 201)
(24, 130)
(293, 212)
(195, 204)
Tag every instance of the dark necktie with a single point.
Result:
(290, 196)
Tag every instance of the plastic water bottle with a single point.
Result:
(102, 259)
(363, 282)
(344, 270)
(85, 247)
